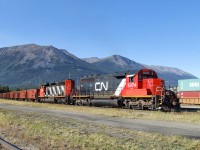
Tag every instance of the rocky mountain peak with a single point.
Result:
(120, 60)
(91, 59)
(116, 63)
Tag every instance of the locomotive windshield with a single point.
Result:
(147, 75)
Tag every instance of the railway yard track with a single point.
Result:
(6, 145)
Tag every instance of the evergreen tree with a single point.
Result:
(4, 89)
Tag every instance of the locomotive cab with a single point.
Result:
(144, 83)
(143, 90)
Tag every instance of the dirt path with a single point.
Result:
(164, 127)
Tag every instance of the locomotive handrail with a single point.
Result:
(158, 89)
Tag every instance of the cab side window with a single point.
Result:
(140, 77)
(131, 79)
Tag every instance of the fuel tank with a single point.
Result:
(105, 102)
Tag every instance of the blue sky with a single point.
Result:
(153, 32)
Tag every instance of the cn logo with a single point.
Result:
(99, 86)
(131, 85)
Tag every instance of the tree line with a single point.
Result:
(4, 89)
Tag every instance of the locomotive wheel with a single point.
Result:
(131, 107)
(140, 106)
(81, 103)
(86, 103)
(38, 100)
(66, 100)
(77, 103)
(127, 105)
(55, 100)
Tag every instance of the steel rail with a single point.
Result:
(8, 145)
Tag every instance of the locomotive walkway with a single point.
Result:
(163, 127)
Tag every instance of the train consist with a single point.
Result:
(189, 91)
(136, 90)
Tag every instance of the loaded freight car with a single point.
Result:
(16, 95)
(11, 95)
(137, 90)
(6, 95)
(22, 95)
(189, 91)
(32, 94)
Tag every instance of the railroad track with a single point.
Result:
(8, 146)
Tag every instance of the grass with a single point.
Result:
(187, 117)
(35, 131)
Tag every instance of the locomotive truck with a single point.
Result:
(132, 90)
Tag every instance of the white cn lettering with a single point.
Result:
(99, 86)
(131, 85)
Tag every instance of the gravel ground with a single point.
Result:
(163, 127)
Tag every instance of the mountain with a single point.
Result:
(117, 63)
(31, 65)
(170, 74)
(91, 59)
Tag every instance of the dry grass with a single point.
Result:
(34, 131)
(187, 117)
